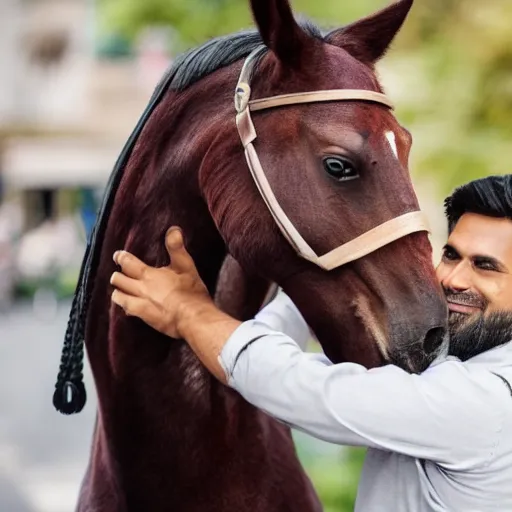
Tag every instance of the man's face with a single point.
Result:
(476, 275)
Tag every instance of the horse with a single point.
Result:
(327, 169)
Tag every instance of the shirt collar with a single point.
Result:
(497, 357)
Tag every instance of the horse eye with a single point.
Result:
(340, 169)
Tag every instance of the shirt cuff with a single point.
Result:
(246, 334)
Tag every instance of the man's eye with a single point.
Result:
(450, 255)
(486, 266)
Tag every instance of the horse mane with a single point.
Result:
(220, 52)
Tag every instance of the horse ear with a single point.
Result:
(368, 39)
(279, 30)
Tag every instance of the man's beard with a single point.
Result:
(470, 335)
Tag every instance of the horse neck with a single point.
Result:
(152, 388)
(159, 188)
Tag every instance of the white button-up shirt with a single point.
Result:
(439, 441)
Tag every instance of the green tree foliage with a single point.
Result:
(334, 471)
(195, 21)
(451, 78)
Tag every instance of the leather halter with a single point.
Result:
(363, 245)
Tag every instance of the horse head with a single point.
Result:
(337, 170)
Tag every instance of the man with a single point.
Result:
(439, 441)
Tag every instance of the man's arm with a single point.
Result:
(442, 415)
(206, 331)
(282, 315)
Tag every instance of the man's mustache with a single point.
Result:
(465, 299)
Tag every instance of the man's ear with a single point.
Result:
(368, 39)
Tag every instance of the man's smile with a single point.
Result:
(465, 309)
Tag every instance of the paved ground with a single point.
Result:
(42, 453)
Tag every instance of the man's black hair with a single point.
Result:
(491, 196)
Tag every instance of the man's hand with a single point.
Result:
(161, 297)
(174, 301)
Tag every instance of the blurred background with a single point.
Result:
(75, 75)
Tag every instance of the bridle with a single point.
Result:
(363, 245)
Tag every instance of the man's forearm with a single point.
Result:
(207, 329)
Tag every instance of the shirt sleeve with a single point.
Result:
(440, 415)
(282, 315)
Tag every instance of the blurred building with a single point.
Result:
(65, 110)
(68, 102)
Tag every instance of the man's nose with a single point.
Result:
(459, 278)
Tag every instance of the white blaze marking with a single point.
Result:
(392, 142)
(365, 312)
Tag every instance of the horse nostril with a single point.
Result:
(433, 339)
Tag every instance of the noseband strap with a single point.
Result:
(361, 246)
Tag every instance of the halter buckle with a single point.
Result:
(242, 96)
